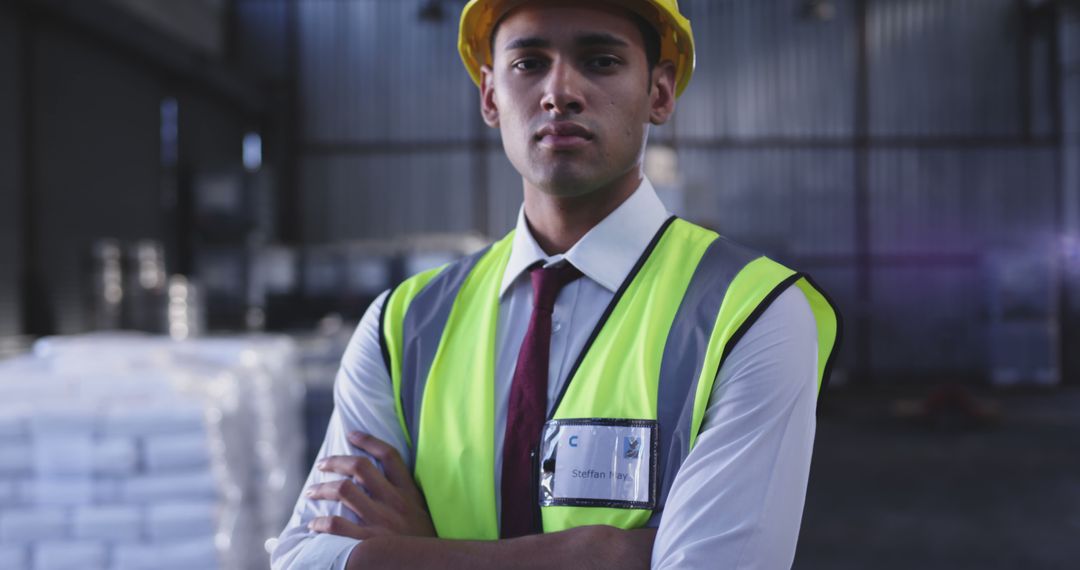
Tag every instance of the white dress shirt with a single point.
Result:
(737, 500)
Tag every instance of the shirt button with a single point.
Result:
(556, 326)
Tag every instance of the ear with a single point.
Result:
(662, 93)
(487, 97)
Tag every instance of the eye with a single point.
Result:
(527, 64)
(604, 62)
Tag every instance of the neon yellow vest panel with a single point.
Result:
(652, 359)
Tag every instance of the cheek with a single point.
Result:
(512, 118)
(629, 117)
(631, 127)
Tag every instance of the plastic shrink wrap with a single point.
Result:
(123, 451)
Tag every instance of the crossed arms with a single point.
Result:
(397, 531)
(737, 500)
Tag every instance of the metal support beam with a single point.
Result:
(1068, 310)
(290, 207)
(863, 277)
(1023, 60)
(944, 142)
(37, 318)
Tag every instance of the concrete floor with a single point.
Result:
(890, 493)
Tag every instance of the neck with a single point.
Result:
(558, 222)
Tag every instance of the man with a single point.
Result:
(607, 386)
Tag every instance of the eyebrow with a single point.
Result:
(586, 40)
(600, 39)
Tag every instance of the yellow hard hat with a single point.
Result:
(479, 17)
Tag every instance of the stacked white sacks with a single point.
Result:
(125, 452)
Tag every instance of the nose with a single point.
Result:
(563, 90)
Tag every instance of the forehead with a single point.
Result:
(564, 22)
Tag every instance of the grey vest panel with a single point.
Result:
(684, 354)
(422, 328)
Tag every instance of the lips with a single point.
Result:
(563, 129)
(563, 135)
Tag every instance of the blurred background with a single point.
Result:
(199, 198)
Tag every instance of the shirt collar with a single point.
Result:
(607, 253)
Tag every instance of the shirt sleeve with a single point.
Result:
(363, 401)
(737, 500)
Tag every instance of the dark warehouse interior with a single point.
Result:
(266, 168)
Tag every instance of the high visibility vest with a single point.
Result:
(654, 355)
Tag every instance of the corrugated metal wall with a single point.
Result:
(383, 195)
(391, 135)
(765, 71)
(945, 67)
(795, 202)
(885, 148)
(10, 172)
(961, 201)
(961, 164)
(353, 97)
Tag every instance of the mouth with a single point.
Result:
(563, 135)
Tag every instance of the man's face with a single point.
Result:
(571, 93)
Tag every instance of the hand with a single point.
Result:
(392, 505)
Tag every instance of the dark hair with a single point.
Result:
(649, 36)
(652, 41)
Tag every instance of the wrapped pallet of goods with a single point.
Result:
(124, 451)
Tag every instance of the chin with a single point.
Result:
(567, 183)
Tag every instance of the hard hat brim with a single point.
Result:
(479, 17)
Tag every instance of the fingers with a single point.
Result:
(361, 469)
(387, 501)
(347, 493)
(388, 456)
(342, 527)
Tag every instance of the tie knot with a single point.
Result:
(548, 281)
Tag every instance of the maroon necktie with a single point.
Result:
(528, 403)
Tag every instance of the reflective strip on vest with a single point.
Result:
(422, 328)
(392, 338)
(655, 354)
(682, 365)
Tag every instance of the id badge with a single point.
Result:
(599, 462)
